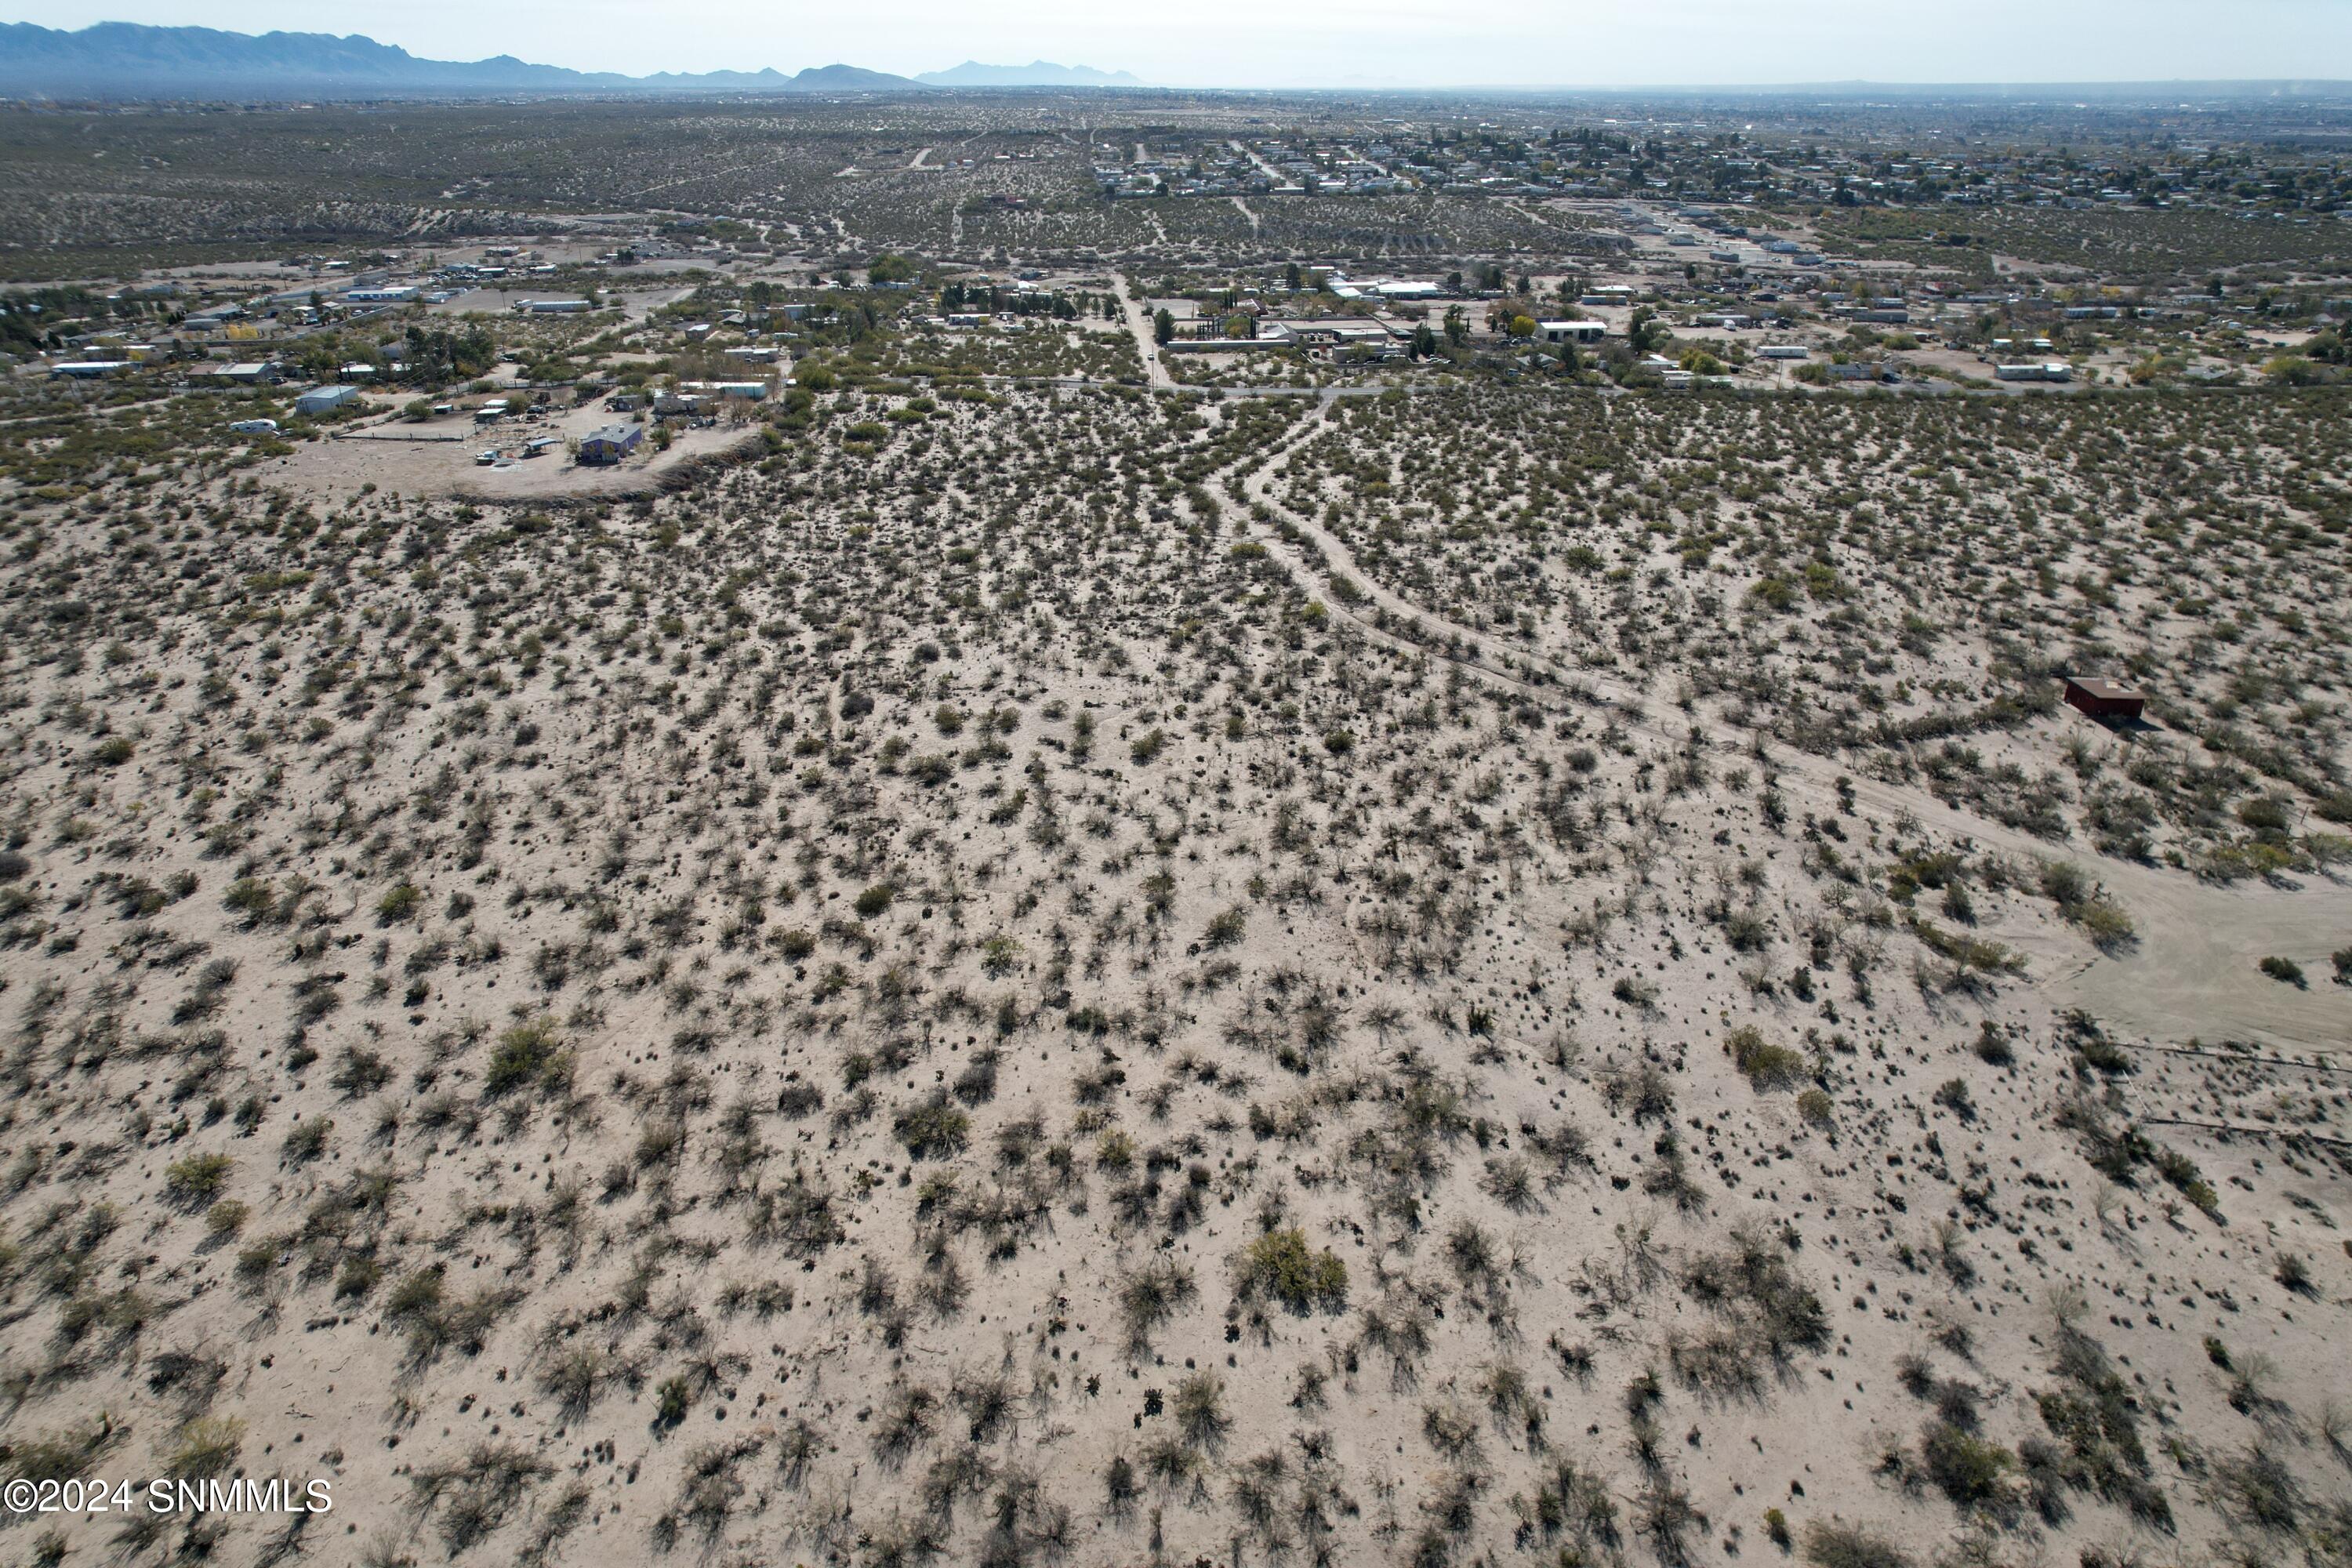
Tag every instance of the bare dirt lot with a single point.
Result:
(438, 457)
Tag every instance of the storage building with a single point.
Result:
(2104, 699)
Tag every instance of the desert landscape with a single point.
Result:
(1004, 945)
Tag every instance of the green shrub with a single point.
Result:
(399, 903)
(2284, 970)
(1967, 1469)
(875, 900)
(250, 897)
(530, 1053)
(207, 1446)
(196, 1179)
(1764, 1064)
(1830, 1544)
(934, 1129)
(1283, 1265)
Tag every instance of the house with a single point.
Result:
(248, 372)
(610, 443)
(88, 369)
(324, 399)
(1784, 350)
(2104, 699)
(392, 294)
(2053, 370)
(1571, 331)
(556, 308)
(750, 390)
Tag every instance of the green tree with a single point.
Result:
(1164, 327)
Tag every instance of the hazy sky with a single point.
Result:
(1252, 42)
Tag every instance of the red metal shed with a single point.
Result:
(2104, 699)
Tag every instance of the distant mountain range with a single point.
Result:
(127, 60)
(1037, 73)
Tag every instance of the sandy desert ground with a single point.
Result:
(1119, 977)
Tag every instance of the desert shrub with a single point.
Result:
(934, 1129)
(1831, 1544)
(2094, 1416)
(1953, 1095)
(2283, 970)
(1201, 1410)
(1283, 1265)
(1765, 1064)
(1152, 1295)
(2086, 904)
(205, 1448)
(528, 1054)
(2258, 1489)
(1753, 1285)
(196, 1179)
(1968, 1469)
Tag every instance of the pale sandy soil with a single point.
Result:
(954, 998)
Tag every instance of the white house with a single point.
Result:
(323, 399)
(1571, 331)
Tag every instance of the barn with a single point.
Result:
(2104, 699)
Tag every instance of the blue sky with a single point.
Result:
(1321, 43)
